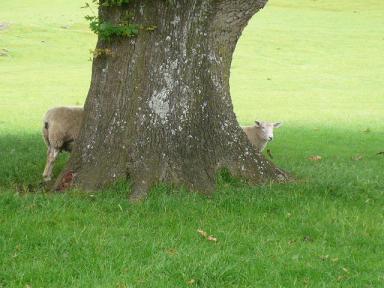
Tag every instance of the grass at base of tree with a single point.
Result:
(316, 65)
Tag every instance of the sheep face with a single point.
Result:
(265, 130)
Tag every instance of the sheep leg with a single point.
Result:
(51, 157)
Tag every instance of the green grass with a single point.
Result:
(316, 65)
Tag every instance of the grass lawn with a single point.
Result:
(318, 66)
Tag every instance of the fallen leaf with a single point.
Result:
(315, 158)
(202, 233)
(191, 282)
(171, 251)
(357, 158)
(206, 236)
(211, 238)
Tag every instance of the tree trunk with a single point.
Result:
(159, 106)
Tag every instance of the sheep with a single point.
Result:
(61, 127)
(260, 134)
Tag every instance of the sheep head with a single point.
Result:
(265, 129)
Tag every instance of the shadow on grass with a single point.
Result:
(348, 159)
(22, 163)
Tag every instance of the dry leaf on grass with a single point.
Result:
(202, 233)
(211, 238)
(206, 236)
(357, 158)
(171, 251)
(315, 158)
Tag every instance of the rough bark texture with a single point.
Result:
(159, 108)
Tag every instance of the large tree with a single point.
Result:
(159, 107)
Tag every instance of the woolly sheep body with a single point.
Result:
(61, 127)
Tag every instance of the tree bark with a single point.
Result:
(159, 106)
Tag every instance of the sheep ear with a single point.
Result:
(277, 125)
(258, 124)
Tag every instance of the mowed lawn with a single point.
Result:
(318, 66)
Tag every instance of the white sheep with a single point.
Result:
(61, 128)
(260, 134)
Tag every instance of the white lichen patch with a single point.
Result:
(169, 81)
(212, 57)
(216, 82)
(176, 21)
(174, 64)
(141, 9)
(159, 101)
(159, 104)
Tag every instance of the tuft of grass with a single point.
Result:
(316, 65)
